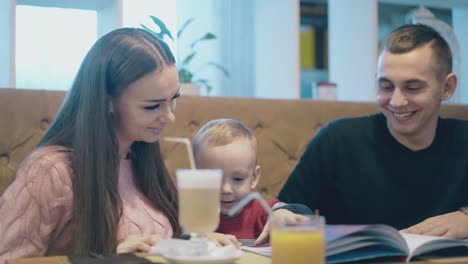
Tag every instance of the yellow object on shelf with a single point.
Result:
(307, 51)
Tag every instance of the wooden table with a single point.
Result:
(247, 258)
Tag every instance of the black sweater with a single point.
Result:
(355, 172)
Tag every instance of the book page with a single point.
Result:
(354, 242)
(264, 251)
(421, 244)
(342, 238)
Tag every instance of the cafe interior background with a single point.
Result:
(270, 48)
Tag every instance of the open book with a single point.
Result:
(346, 243)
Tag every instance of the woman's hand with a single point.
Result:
(138, 243)
(223, 239)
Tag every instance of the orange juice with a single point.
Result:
(297, 246)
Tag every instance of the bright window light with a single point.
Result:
(50, 45)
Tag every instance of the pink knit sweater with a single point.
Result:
(36, 209)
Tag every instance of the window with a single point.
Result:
(50, 45)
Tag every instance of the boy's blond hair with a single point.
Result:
(220, 132)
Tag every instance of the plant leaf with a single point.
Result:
(204, 81)
(158, 35)
(162, 27)
(219, 67)
(185, 76)
(208, 89)
(207, 36)
(179, 32)
(188, 58)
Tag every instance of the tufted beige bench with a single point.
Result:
(283, 127)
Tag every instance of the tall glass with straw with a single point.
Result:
(199, 196)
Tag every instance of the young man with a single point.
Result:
(406, 166)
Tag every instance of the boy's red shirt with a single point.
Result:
(248, 223)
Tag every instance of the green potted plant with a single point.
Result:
(185, 74)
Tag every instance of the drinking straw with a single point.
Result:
(244, 201)
(188, 146)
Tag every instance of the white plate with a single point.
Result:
(204, 260)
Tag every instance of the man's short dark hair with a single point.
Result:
(410, 37)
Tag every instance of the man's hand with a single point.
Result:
(451, 225)
(223, 239)
(137, 243)
(283, 216)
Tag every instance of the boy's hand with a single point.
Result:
(283, 216)
(223, 239)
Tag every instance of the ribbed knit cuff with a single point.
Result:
(295, 208)
(464, 210)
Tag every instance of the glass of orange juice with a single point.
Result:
(301, 243)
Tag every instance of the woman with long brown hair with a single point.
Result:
(97, 181)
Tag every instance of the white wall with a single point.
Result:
(7, 43)
(237, 46)
(261, 51)
(460, 20)
(109, 17)
(204, 21)
(277, 49)
(352, 27)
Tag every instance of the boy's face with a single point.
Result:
(241, 173)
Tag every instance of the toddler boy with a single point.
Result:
(230, 145)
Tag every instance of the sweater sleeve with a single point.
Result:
(297, 209)
(310, 178)
(34, 208)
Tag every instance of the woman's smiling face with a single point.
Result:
(145, 108)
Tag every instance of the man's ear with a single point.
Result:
(256, 177)
(449, 86)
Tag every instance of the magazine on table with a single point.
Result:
(345, 243)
